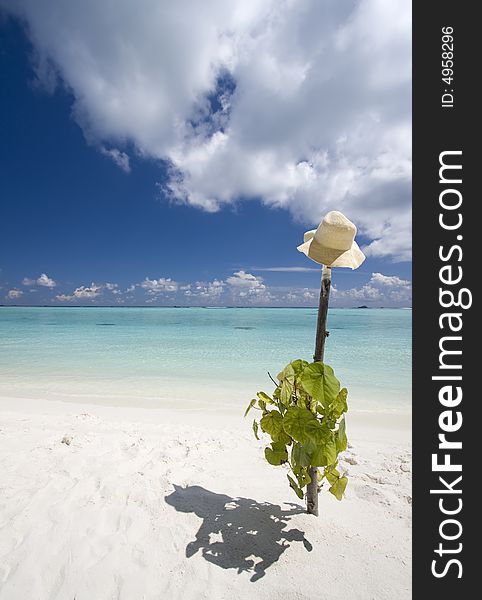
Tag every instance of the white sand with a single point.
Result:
(155, 504)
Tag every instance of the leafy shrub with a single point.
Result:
(304, 417)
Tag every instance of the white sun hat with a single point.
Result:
(333, 243)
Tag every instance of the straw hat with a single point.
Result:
(333, 243)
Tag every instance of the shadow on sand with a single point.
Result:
(234, 530)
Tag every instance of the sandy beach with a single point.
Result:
(100, 502)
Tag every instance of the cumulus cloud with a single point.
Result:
(212, 290)
(121, 159)
(158, 286)
(390, 281)
(81, 293)
(381, 290)
(317, 122)
(87, 292)
(247, 287)
(243, 279)
(298, 297)
(14, 294)
(113, 287)
(242, 288)
(239, 288)
(64, 297)
(46, 281)
(304, 105)
(43, 280)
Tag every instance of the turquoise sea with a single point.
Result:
(150, 356)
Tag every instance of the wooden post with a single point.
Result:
(321, 335)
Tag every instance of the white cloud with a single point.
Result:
(212, 290)
(245, 280)
(246, 287)
(305, 105)
(64, 297)
(88, 292)
(381, 290)
(14, 294)
(113, 287)
(81, 293)
(239, 288)
(43, 280)
(121, 159)
(297, 297)
(390, 281)
(46, 281)
(157, 286)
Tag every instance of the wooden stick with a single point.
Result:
(321, 335)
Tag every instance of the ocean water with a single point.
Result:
(153, 356)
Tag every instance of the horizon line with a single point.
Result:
(362, 307)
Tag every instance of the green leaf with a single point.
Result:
(300, 455)
(296, 422)
(262, 405)
(283, 438)
(303, 478)
(295, 487)
(315, 430)
(295, 467)
(298, 366)
(340, 405)
(286, 392)
(339, 487)
(250, 406)
(255, 429)
(265, 398)
(272, 423)
(287, 374)
(340, 437)
(332, 475)
(324, 455)
(277, 454)
(325, 452)
(319, 381)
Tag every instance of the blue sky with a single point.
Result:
(96, 213)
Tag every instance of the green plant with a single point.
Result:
(304, 417)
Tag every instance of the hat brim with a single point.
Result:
(330, 257)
